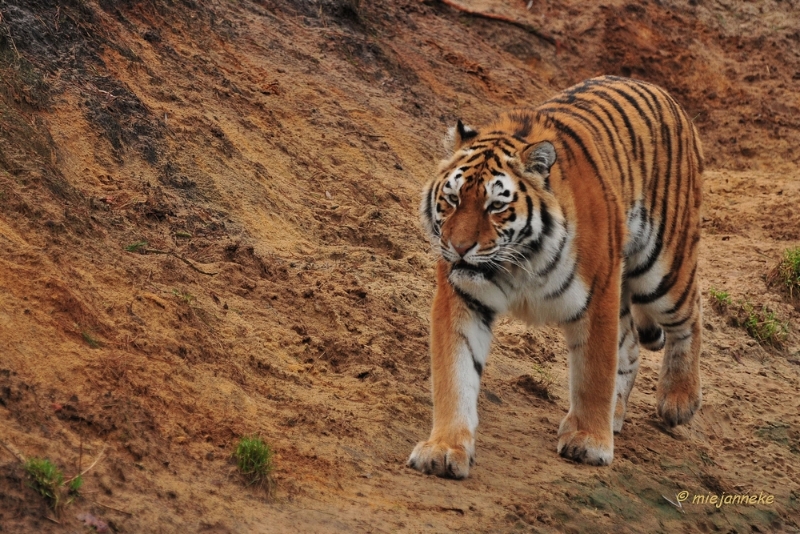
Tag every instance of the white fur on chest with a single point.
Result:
(545, 289)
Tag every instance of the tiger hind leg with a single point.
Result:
(678, 395)
(627, 360)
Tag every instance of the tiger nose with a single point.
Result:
(462, 249)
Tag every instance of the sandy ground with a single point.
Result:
(271, 154)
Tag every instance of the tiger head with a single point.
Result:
(490, 205)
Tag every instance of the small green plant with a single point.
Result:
(46, 477)
(762, 325)
(75, 485)
(48, 480)
(720, 300)
(136, 247)
(184, 296)
(254, 460)
(787, 272)
(88, 338)
(539, 383)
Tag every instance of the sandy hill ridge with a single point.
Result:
(208, 229)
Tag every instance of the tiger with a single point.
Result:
(583, 212)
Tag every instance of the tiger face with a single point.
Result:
(488, 208)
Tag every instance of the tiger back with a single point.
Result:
(583, 212)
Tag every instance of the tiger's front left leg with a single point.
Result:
(460, 339)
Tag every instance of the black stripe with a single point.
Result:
(581, 87)
(649, 335)
(662, 289)
(668, 173)
(534, 247)
(475, 157)
(484, 268)
(478, 365)
(484, 312)
(622, 341)
(671, 278)
(497, 284)
(657, 143)
(679, 322)
(526, 230)
(684, 293)
(565, 285)
(569, 132)
(585, 306)
(652, 257)
(633, 102)
(429, 208)
(547, 219)
(679, 207)
(624, 116)
(547, 269)
(524, 125)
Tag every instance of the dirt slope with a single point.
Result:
(208, 229)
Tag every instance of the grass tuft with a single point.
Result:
(139, 246)
(88, 338)
(762, 325)
(720, 300)
(787, 272)
(539, 384)
(184, 296)
(48, 480)
(254, 460)
(75, 485)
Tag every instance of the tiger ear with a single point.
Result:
(457, 136)
(539, 158)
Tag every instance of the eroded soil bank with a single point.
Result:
(208, 229)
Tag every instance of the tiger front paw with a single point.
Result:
(584, 446)
(436, 457)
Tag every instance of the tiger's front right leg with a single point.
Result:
(460, 339)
